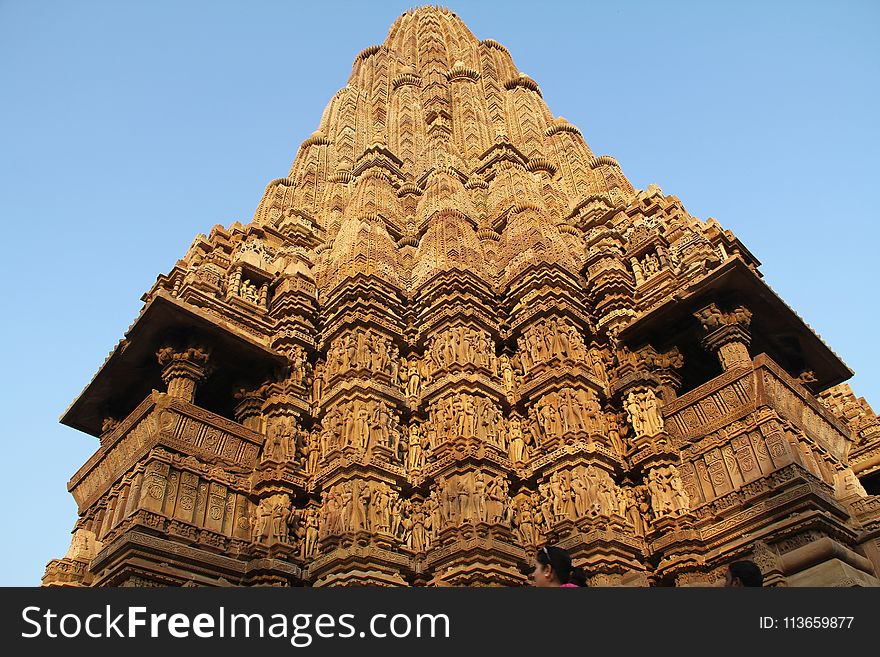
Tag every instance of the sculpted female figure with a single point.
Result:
(413, 383)
(311, 540)
(313, 452)
(451, 348)
(317, 383)
(416, 456)
(579, 489)
(516, 444)
(362, 357)
(507, 374)
(418, 529)
(394, 365)
(494, 497)
(345, 510)
(634, 414)
(565, 345)
(362, 425)
(351, 350)
(479, 503)
(526, 522)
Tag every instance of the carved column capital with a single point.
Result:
(108, 424)
(727, 334)
(668, 368)
(665, 367)
(632, 371)
(648, 368)
(249, 406)
(183, 370)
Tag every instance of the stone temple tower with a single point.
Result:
(450, 335)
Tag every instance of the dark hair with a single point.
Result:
(747, 572)
(578, 576)
(559, 560)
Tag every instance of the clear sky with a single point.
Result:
(127, 128)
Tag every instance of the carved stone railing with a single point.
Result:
(723, 400)
(793, 402)
(61, 572)
(730, 433)
(865, 459)
(738, 392)
(867, 511)
(172, 423)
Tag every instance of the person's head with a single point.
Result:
(552, 567)
(743, 573)
(578, 576)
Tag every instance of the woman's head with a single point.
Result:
(578, 577)
(743, 573)
(552, 567)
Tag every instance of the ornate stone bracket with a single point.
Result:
(183, 370)
(728, 335)
(659, 370)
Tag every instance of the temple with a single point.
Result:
(453, 334)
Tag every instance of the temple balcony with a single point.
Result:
(749, 422)
(162, 422)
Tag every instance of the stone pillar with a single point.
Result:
(248, 410)
(663, 255)
(183, 370)
(109, 512)
(637, 271)
(666, 366)
(727, 334)
(644, 381)
(235, 283)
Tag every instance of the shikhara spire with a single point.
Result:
(432, 122)
(449, 335)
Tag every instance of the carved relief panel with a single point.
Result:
(550, 341)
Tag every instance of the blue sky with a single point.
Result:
(128, 128)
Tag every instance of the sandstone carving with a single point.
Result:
(449, 335)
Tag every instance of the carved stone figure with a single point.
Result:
(310, 543)
(314, 452)
(615, 428)
(394, 365)
(549, 420)
(464, 487)
(413, 385)
(418, 541)
(634, 414)
(516, 445)
(507, 374)
(416, 455)
(262, 528)
(479, 497)
(495, 500)
(526, 522)
(652, 422)
(581, 499)
(280, 519)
